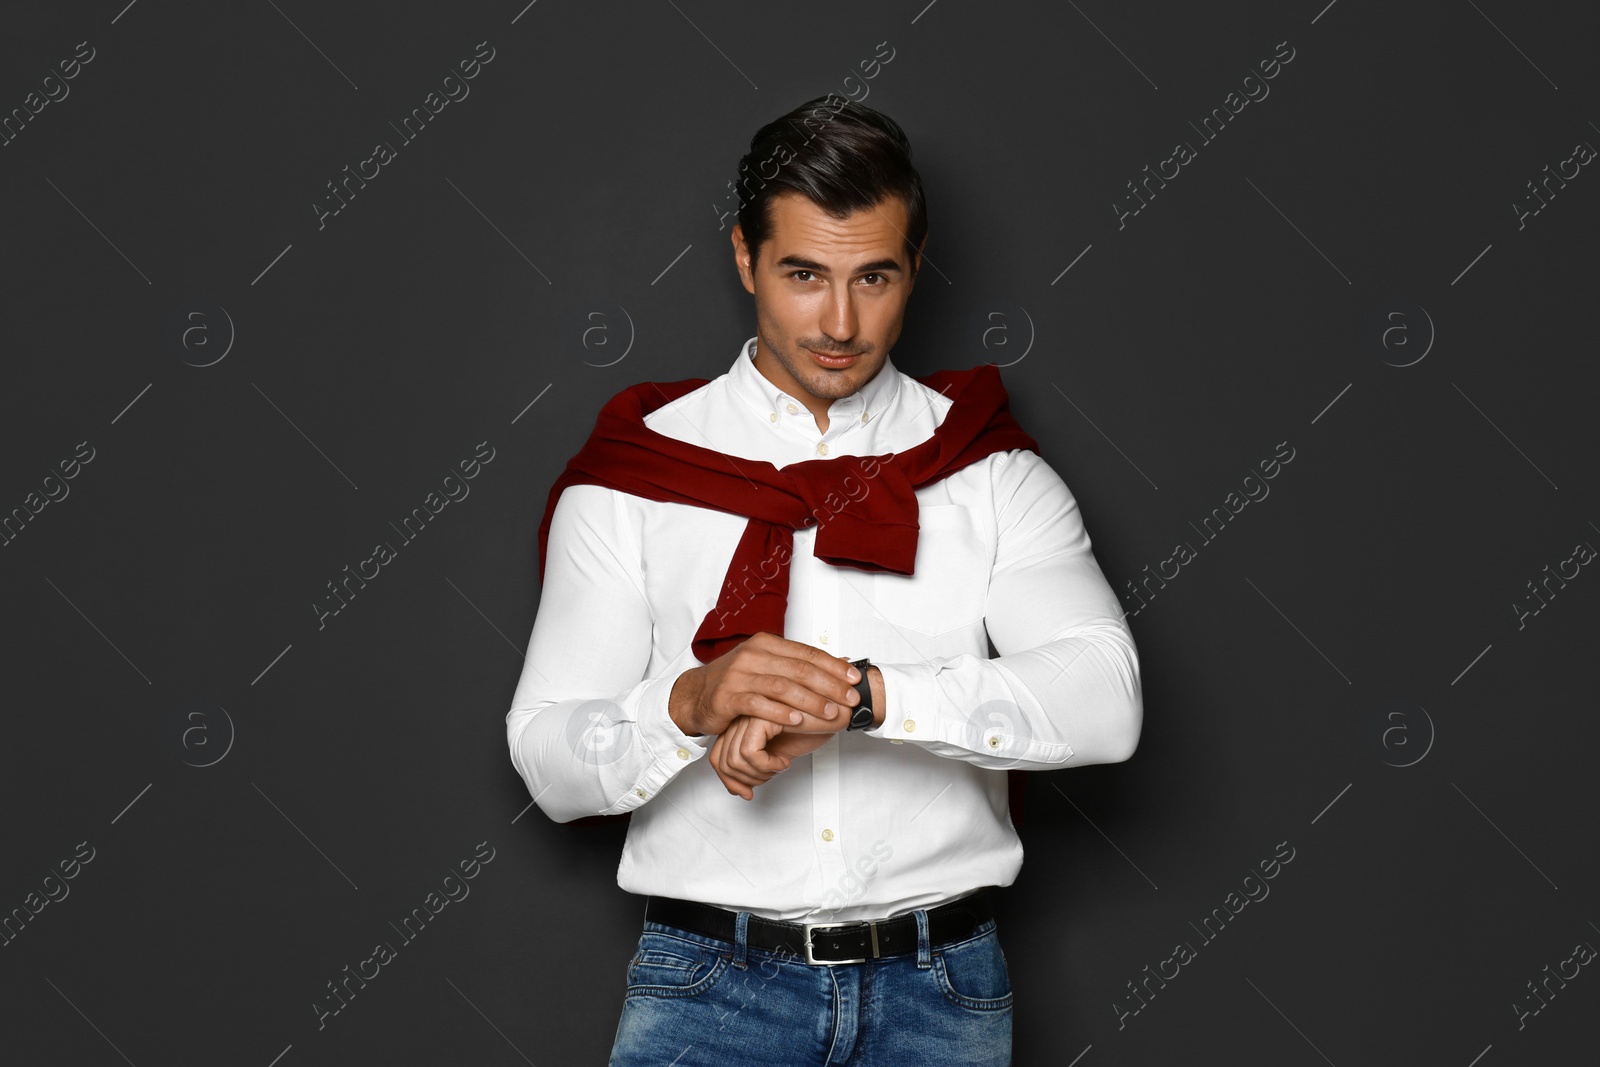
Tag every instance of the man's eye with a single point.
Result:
(797, 273)
(878, 276)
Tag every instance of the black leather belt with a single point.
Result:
(847, 942)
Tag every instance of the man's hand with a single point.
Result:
(767, 677)
(752, 752)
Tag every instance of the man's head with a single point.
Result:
(831, 228)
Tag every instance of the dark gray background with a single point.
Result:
(368, 357)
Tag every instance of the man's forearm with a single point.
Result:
(685, 698)
(879, 699)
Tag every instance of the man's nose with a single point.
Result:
(839, 319)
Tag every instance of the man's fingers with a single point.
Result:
(824, 672)
(776, 710)
(786, 682)
(729, 761)
(810, 708)
(751, 753)
(808, 678)
(737, 788)
(747, 756)
(818, 715)
(740, 758)
(732, 765)
(730, 781)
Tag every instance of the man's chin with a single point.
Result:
(833, 387)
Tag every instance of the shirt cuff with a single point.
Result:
(669, 749)
(911, 703)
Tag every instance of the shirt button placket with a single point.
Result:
(823, 580)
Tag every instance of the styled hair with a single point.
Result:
(842, 156)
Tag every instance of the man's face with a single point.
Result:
(830, 287)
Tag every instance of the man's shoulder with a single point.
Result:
(942, 387)
(661, 400)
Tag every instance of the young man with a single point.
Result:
(763, 633)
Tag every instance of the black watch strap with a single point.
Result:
(863, 713)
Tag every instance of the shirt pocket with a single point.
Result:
(950, 585)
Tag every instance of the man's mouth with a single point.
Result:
(832, 362)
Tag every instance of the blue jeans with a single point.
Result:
(697, 1001)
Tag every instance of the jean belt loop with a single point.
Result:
(740, 942)
(924, 946)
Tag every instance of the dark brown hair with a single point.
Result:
(842, 156)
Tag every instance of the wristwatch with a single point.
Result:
(862, 714)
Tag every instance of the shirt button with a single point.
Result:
(772, 417)
(896, 741)
(639, 791)
(994, 742)
(683, 753)
(827, 835)
(909, 726)
(822, 450)
(822, 638)
(793, 410)
(864, 416)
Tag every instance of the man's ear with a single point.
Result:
(741, 259)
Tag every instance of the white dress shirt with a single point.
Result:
(876, 822)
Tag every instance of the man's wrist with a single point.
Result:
(875, 679)
(681, 703)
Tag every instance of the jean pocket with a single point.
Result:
(973, 973)
(666, 966)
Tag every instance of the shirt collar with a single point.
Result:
(767, 400)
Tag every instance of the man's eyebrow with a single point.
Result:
(877, 265)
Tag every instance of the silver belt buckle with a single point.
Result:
(870, 924)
